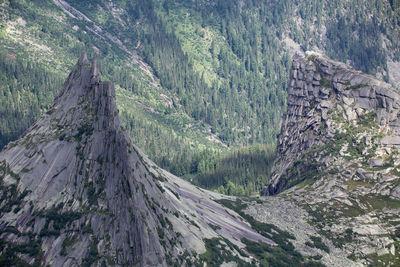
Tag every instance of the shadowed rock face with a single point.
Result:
(322, 92)
(75, 191)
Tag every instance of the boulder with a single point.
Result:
(376, 163)
(391, 140)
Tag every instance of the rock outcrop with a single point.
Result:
(323, 96)
(338, 159)
(74, 191)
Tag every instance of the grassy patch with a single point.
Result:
(386, 259)
(379, 202)
(325, 82)
(265, 229)
(351, 184)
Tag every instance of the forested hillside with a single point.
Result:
(26, 89)
(201, 85)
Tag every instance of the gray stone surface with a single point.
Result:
(295, 220)
(391, 140)
(338, 160)
(395, 192)
(78, 177)
(343, 86)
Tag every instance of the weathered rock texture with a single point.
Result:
(318, 89)
(74, 191)
(338, 158)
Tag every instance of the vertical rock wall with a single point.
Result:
(318, 87)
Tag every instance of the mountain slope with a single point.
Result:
(334, 112)
(41, 34)
(338, 157)
(198, 75)
(75, 191)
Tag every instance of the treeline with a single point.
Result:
(26, 88)
(359, 31)
(241, 107)
(360, 37)
(243, 104)
(253, 70)
(241, 172)
(160, 141)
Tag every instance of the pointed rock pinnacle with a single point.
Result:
(95, 75)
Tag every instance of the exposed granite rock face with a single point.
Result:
(74, 191)
(319, 87)
(338, 160)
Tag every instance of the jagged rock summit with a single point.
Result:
(74, 191)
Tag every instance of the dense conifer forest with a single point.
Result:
(26, 91)
(223, 66)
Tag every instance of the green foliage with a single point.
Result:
(2, 30)
(283, 254)
(268, 230)
(316, 242)
(10, 251)
(160, 233)
(358, 86)
(385, 259)
(26, 88)
(240, 172)
(91, 192)
(325, 82)
(162, 190)
(246, 168)
(221, 65)
(93, 254)
(381, 202)
(67, 243)
(356, 145)
(219, 251)
(60, 220)
(395, 4)
(276, 256)
(365, 52)
(83, 130)
(303, 170)
(243, 56)
(175, 194)
(345, 238)
(10, 197)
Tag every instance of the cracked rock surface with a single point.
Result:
(338, 160)
(75, 191)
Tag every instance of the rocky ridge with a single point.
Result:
(324, 95)
(338, 157)
(74, 191)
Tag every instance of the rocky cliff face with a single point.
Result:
(74, 191)
(338, 158)
(336, 110)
